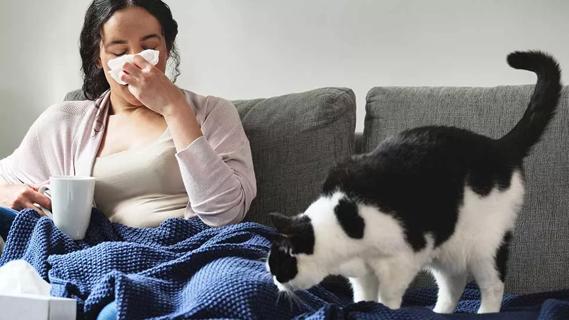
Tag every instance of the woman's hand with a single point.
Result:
(151, 86)
(19, 196)
(153, 89)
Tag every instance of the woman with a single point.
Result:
(156, 151)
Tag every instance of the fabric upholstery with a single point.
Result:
(294, 140)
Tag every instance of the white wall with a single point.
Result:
(39, 61)
(259, 48)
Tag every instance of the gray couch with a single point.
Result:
(295, 138)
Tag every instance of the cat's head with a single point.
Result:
(309, 246)
(291, 260)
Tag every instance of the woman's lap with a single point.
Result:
(7, 216)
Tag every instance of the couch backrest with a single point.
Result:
(294, 139)
(540, 250)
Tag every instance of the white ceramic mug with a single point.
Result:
(71, 203)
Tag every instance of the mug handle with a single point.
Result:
(45, 191)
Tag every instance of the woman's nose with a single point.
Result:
(135, 49)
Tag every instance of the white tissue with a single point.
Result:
(116, 65)
(18, 277)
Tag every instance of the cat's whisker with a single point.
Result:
(302, 302)
(289, 299)
(299, 301)
(279, 295)
(290, 296)
(294, 299)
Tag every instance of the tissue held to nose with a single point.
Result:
(115, 65)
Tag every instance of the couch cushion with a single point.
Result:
(540, 251)
(294, 140)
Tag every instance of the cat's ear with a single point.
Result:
(281, 222)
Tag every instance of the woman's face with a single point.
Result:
(130, 31)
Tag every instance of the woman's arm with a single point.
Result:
(215, 159)
(217, 168)
(27, 164)
(24, 168)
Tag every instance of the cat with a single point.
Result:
(437, 198)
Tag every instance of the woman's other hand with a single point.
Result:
(19, 196)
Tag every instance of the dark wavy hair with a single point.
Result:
(98, 13)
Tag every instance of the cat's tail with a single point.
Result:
(542, 105)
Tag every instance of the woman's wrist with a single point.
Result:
(176, 105)
(182, 124)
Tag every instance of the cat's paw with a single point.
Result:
(392, 304)
(443, 308)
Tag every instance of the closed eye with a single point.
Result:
(123, 53)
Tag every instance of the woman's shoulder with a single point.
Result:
(204, 106)
(71, 108)
(203, 101)
(66, 114)
(56, 129)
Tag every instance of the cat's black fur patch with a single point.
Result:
(298, 230)
(282, 264)
(502, 256)
(349, 219)
(302, 239)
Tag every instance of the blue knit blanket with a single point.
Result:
(184, 269)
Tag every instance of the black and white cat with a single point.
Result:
(437, 198)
